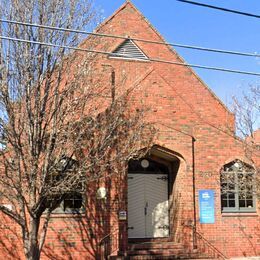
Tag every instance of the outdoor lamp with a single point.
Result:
(101, 193)
(145, 163)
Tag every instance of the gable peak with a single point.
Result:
(127, 3)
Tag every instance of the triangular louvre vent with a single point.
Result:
(128, 50)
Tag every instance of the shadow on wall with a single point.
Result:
(249, 238)
(10, 243)
(79, 236)
(180, 216)
(181, 222)
(74, 236)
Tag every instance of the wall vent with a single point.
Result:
(128, 50)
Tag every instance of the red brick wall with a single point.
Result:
(181, 106)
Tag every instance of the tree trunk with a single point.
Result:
(32, 251)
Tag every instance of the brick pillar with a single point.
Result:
(123, 243)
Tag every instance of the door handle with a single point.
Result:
(145, 208)
(165, 227)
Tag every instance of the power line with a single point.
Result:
(129, 56)
(157, 60)
(193, 47)
(219, 8)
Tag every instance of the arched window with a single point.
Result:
(237, 187)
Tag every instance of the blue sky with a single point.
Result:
(194, 25)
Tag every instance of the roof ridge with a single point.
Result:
(114, 14)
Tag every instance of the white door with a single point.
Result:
(136, 221)
(148, 205)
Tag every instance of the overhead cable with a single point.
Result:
(193, 47)
(129, 56)
(157, 60)
(219, 8)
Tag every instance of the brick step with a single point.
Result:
(115, 257)
(159, 250)
(162, 257)
(154, 245)
(142, 257)
(163, 252)
(194, 256)
(147, 257)
(152, 257)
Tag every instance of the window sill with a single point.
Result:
(68, 214)
(239, 214)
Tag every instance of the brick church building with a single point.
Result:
(171, 204)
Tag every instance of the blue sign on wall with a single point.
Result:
(207, 206)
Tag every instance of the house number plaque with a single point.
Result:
(122, 215)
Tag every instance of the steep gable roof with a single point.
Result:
(129, 4)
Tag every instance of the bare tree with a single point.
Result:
(240, 179)
(60, 126)
(247, 111)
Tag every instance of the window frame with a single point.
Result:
(236, 190)
(62, 210)
(68, 164)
